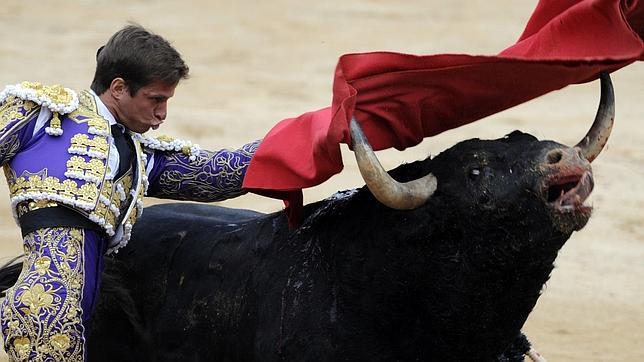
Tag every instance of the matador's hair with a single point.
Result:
(140, 58)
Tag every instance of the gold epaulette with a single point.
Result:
(58, 99)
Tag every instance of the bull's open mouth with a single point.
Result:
(568, 194)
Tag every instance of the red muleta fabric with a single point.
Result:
(399, 98)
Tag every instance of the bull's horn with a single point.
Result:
(396, 195)
(595, 140)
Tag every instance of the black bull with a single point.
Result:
(454, 279)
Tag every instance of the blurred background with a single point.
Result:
(254, 63)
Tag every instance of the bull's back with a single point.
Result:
(191, 270)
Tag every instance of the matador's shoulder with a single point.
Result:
(168, 144)
(56, 98)
(20, 102)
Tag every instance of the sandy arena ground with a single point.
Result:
(254, 63)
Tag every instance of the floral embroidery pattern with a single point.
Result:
(9, 148)
(41, 314)
(15, 111)
(14, 114)
(211, 176)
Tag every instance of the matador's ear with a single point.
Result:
(98, 52)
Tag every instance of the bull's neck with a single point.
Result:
(419, 274)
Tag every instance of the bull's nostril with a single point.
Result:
(554, 156)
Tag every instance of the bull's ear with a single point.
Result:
(518, 136)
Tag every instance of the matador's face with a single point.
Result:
(147, 108)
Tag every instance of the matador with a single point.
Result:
(78, 166)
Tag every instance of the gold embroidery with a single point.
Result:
(167, 143)
(60, 342)
(126, 185)
(103, 208)
(36, 298)
(99, 124)
(165, 138)
(15, 110)
(86, 171)
(27, 206)
(81, 143)
(92, 171)
(55, 121)
(211, 176)
(42, 265)
(87, 113)
(136, 210)
(87, 193)
(9, 147)
(85, 99)
(55, 93)
(22, 346)
(108, 192)
(93, 168)
(42, 313)
(72, 314)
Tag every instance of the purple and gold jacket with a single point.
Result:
(65, 161)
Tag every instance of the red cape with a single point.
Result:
(399, 98)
